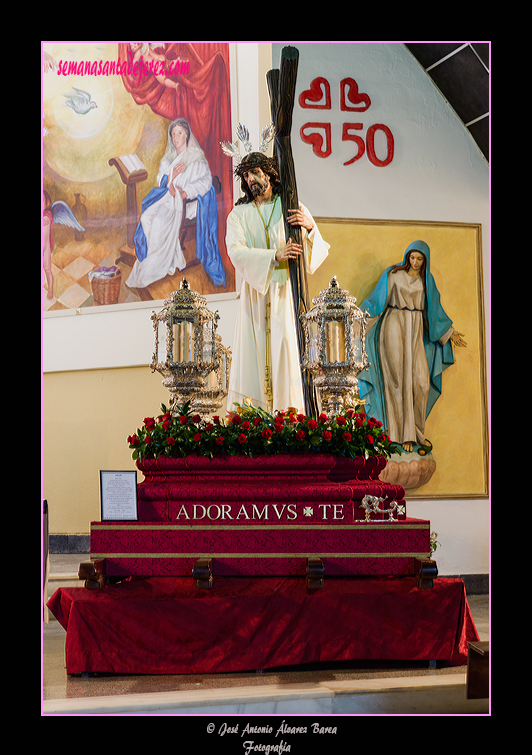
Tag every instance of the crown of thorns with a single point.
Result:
(251, 159)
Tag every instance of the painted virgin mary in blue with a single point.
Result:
(409, 345)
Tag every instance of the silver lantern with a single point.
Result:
(335, 331)
(185, 347)
(211, 398)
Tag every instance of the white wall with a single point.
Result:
(437, 174)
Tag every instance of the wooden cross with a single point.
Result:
(281, 87)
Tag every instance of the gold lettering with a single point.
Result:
(183, 511)
(242, 511)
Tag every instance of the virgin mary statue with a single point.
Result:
(183, 174)
(408, 345)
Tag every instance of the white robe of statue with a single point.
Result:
(260, 273)
(162, 222)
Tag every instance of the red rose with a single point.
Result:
(312, 425)
(219, 440)
(292, 419)
(341, 421)
(347, 437)
(235, 419)
(216, 419)
(183, 420)
(170, 441)
(327, 435)
(133, 440)
(267, 433)
(370, 439)
(350, 413)
(167, 424)
(196, 418)
(242, 438)
(300, 435)
(278, 428)
(209, 427)
(301, 417)
(149, 423)
(147, 440)
(246, 425)
(359, 420)
(198, 437)
(323, 417)
(257, 421)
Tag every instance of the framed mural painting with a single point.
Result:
(136, 190)
(456, 426)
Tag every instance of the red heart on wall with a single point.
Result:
(319, 88)
(349, 94)
(316, 139)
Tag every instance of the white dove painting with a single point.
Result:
(79, 101)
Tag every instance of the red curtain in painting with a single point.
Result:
(202, 97)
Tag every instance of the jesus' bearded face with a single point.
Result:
(257, 180)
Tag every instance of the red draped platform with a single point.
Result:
(249, 530)
(164, 625)
(262, 516)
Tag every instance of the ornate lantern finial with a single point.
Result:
(335, 331)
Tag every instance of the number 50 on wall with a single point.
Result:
(320, 138)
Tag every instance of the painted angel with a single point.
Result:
(58, 212)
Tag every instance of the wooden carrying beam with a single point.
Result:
(93, 572)
(202, 573)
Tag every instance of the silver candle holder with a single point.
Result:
(187, 351)
(335, 331)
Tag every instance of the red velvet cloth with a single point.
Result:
(164, 625)
(146, 549)
(172, 486)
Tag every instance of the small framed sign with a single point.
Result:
(118, 496)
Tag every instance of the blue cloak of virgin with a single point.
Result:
(206, 231)
(435, 324)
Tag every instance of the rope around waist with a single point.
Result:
(403, 309)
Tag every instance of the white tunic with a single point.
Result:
(260, 273)
(162, 222)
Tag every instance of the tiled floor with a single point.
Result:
(71, 263)
(305, 682)
(73, 259)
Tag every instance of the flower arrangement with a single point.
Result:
(251, 431)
